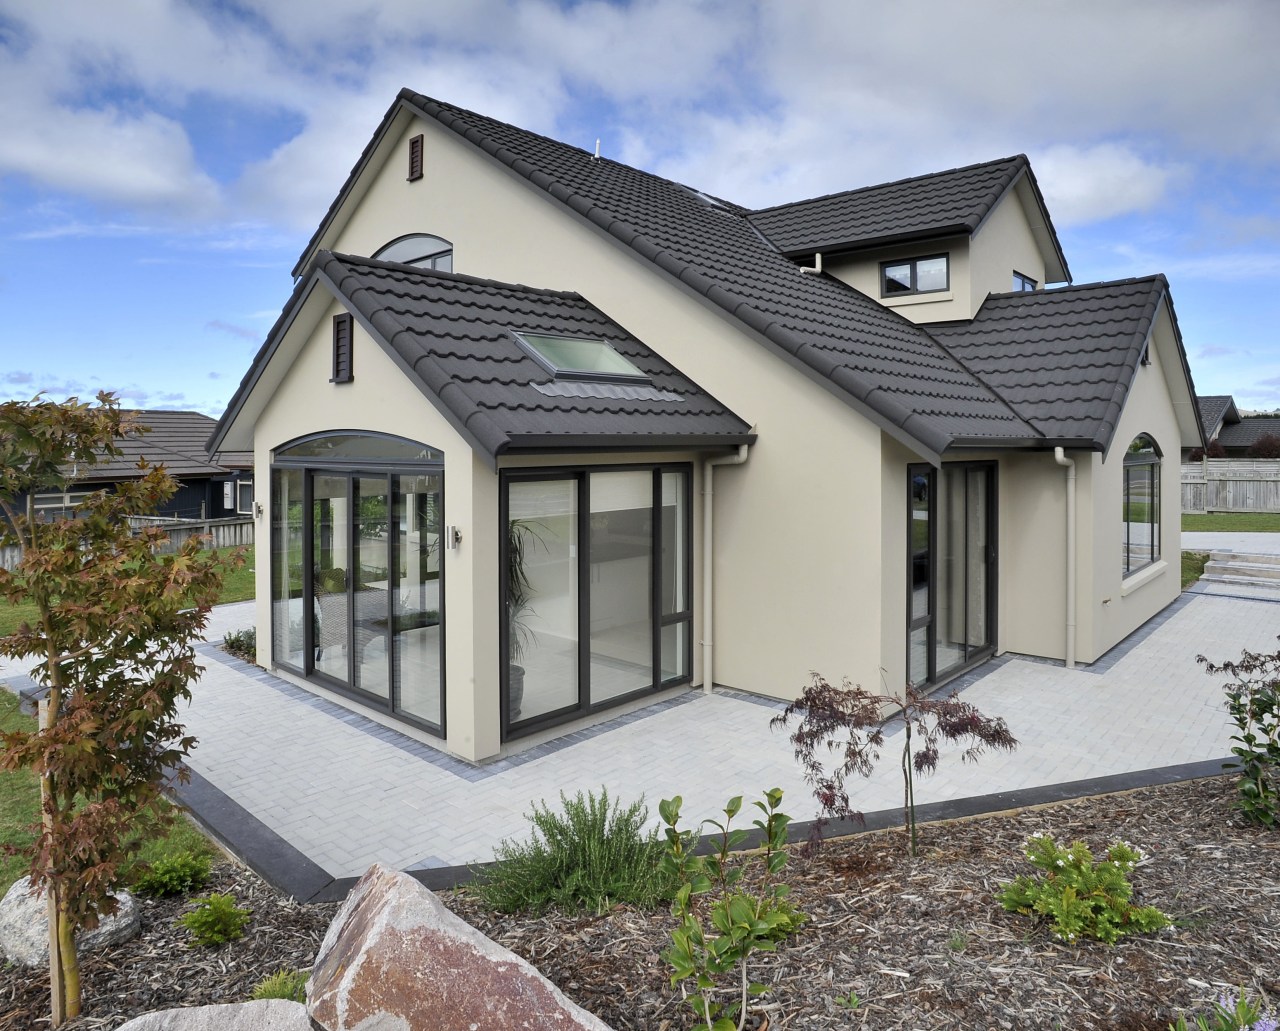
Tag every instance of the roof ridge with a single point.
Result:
(1017, 159)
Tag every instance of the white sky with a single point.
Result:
(163, 163)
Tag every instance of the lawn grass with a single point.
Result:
(1192, 566)
(20, 809)
(237, 585)
(1231, 522)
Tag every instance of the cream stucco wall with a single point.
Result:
(1118, 604)
(1002, 245)
(797, 528)
(862, 272)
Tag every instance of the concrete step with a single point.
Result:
(1241, 581)
(1251, 558)
(1243, 570)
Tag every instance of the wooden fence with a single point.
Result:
(1231, 485)
(224, 533)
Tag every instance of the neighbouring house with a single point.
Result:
(547, 435)
(209, 486)
(1237, 434)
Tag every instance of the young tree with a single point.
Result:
(113, 641)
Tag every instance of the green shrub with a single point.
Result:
(592, 856)
(1079, 897)
(283, 984)
(174, 875)
(1253, 702)
(216, 920)
(243, 644)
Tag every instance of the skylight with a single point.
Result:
(579, 357)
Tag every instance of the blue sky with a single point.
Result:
(163, 163)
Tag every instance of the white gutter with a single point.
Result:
(1060, 457)
(816, 268)
(708, 575)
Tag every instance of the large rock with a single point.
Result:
(24, 926)
(265, 1015)
(394, 959)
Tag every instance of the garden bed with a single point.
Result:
(921, 943)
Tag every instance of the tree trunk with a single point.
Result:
(57, 993)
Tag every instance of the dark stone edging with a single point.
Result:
(290, 871)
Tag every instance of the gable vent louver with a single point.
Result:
(415, 158)
(342, 348)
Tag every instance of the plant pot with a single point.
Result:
(515, 691)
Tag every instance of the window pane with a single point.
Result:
(419, 510)
(371, 544)
(542, 573)
(919, 543)
(362, 446)
(931, 274)
(331, 561)
(621, 551)
(675, 548)
(919, 656)
(896, 279)
(287, 557)
(951, 570)
(571, 354)
(675, 651)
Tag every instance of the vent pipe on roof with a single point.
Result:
(596, 157)
(708, 574)
(816, 270)
(1061, 458)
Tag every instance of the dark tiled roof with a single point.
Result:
(1214, 409)
(455, 335)
(176, 440)
(1247, 432)
(887, 367)
(1063, 359)
(941, 204)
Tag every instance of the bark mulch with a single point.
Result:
(922, 943)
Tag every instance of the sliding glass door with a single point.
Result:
(951, 569)
(596, 587)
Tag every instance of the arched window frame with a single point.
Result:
(1140, 504)
(419, 249)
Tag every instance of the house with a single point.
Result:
(547, 435)
(1223, 423)
(209, 487)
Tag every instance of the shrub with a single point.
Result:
(721, 920)
(1231, 1014)
(592, 856)
(1253, 700)
(283, 984)
(174, 875)
(243, 644)
(1266, 446)
(1079, 897)
(216, 920)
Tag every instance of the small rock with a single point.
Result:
(263, 1015)
(396, 958)
(24, 926)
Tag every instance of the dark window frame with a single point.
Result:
(436, 252)
(580, 475)
(352, 469)
(1150, 459)
(1023, 284)
(914, 263)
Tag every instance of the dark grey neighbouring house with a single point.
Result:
(208, 487)
(1223, 422)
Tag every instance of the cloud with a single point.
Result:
(1092, 183)
(227, 327)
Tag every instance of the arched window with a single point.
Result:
(1141, 499)
(421, 250)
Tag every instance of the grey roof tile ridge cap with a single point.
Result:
(1057, 291)
(1018, 160)
(454, 277)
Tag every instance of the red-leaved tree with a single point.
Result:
(112, 642)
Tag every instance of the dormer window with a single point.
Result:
(1023, 284)
(579, 358)
(421, 250)
(914, 276)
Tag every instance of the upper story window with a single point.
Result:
(579, 358)
(914, 276)
(1023, 284)
(421, 250)
(1141, 500)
